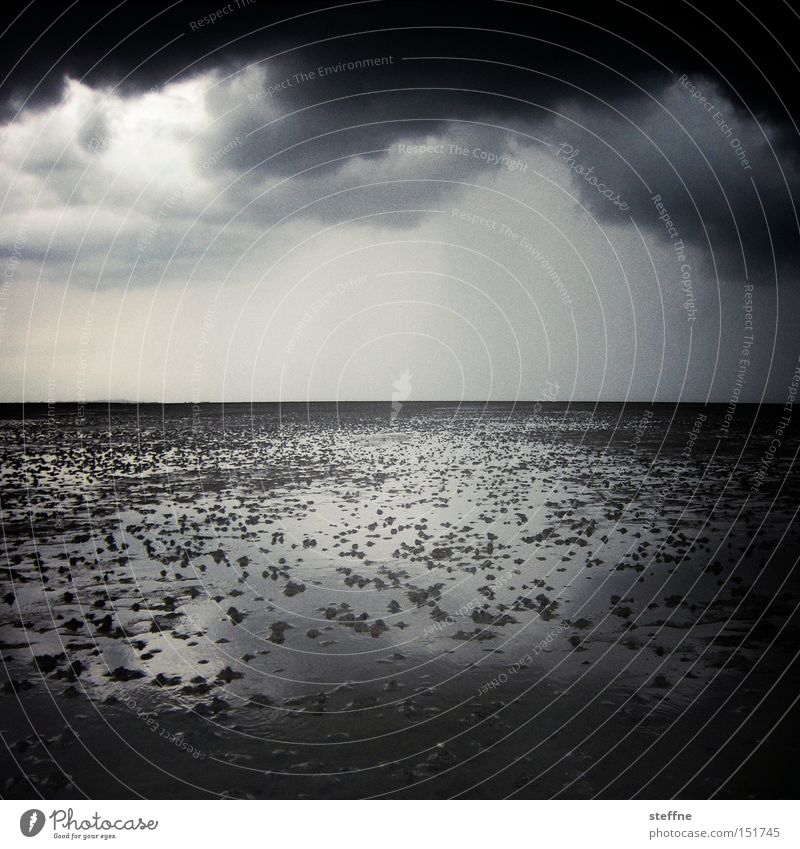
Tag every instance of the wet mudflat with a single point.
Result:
(319, 602)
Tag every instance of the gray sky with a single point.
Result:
(215, 239)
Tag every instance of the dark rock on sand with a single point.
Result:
(293, 588)
(122, 673)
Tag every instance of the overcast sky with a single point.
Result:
(500, 202)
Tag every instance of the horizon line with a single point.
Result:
(126, 402)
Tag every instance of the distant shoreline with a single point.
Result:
(5, 405)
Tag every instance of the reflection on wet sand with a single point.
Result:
(319, 602)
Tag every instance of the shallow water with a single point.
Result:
(473, 600)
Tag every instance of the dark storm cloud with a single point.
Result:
(728, 179)
(309, 84)
(728, 182)
(138, 45)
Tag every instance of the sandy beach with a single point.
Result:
(319, 601)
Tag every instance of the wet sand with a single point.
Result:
(476, 601)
